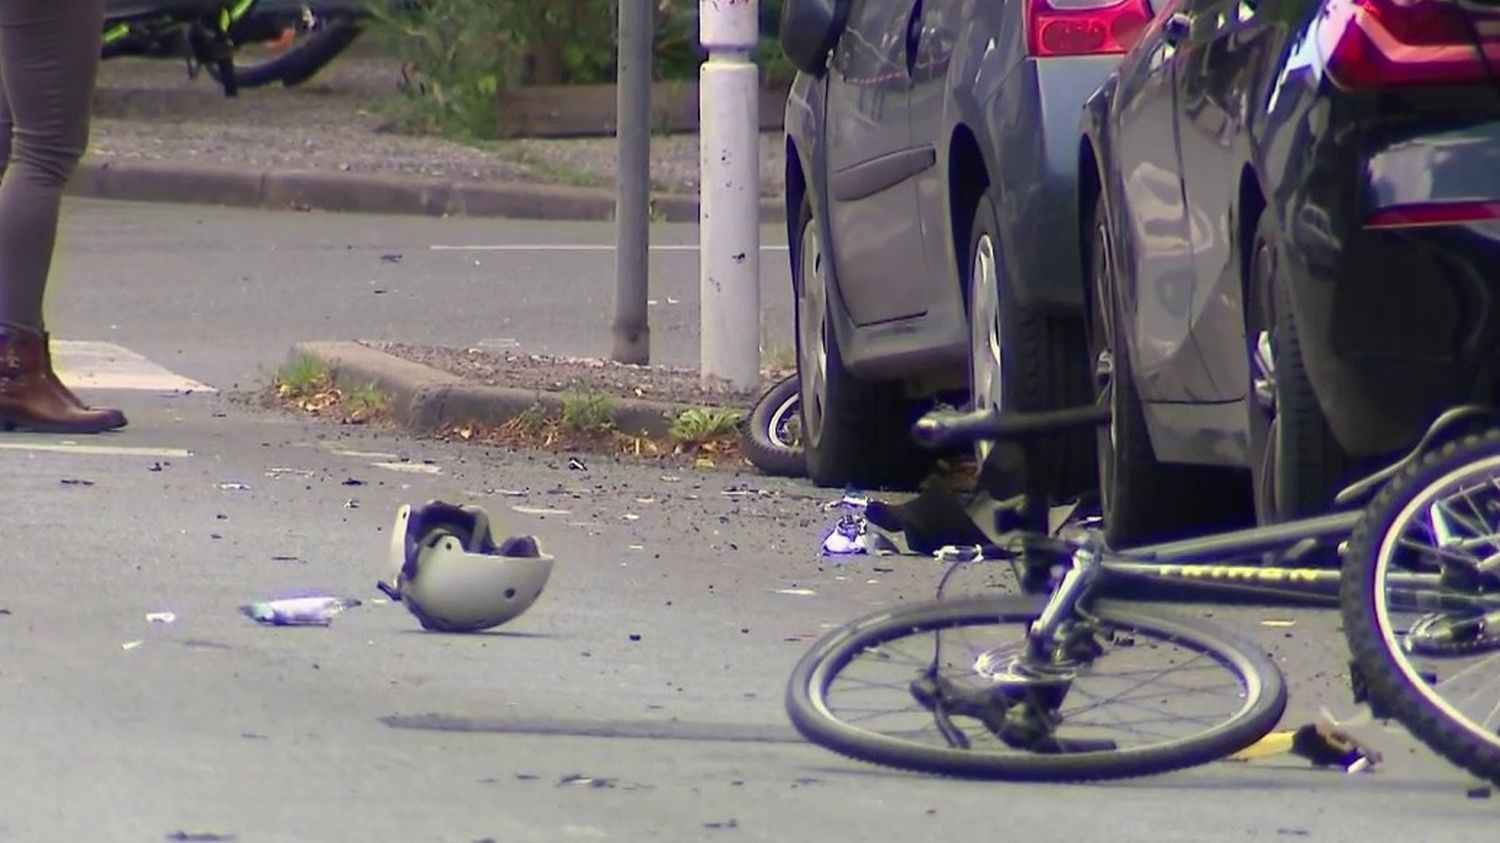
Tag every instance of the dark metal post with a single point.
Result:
(632, 331)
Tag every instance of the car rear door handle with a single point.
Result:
(1177, 27)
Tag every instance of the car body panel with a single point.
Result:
(871, 160)
(1396, 325)
(886, 199)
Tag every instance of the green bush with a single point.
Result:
(461, 54)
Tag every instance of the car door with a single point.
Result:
(1218, 63)
(875, 232)
(1155, 265)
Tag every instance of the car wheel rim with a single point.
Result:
(812, 363)
(1263, 387)
(985, 364)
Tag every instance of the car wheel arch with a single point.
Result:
(968, 182)
(1250, 204)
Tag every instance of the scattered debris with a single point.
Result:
(1278, 624)
(309, 610)
(1324, 742)
(797, 592)
(156, 466)
(536, 510)
(294, 472)
(851, 535)
(161, 617)
(354, 481)
(410, 467)
(576, 464)
(4, 611)
(201, 837)
(70, 481)
(131, 645)
(234, 487)
(351, 504)
(1482, 792)
(726, 824)
(284, 558)
(578, 780)
(393, 258)
(635, 636)
(1293, 832)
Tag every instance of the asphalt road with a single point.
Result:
(171, 281)
(116, 728)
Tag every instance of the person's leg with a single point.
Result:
(49, 57)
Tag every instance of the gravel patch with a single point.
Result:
(151, 111)
(539, 372)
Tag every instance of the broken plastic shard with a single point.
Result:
(235, 487)
(851, 535)
(160, 617)
(316, 610)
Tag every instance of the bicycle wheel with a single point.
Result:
(772, 437)
(1420, 606)
(302, 49)
(945, 687)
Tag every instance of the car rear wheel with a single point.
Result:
(854, 432)
(1296, 462)
(1143, 500)
(1022, 359)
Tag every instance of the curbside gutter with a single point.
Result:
(365, 193)
(426, 400)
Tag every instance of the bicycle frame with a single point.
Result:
(1219, 566)
(200, 38)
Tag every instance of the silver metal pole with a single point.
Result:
(631, 328)
(729, 211)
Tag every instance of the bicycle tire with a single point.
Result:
(1265, 703)
(761, 447)
(301, 61)
(1392, 682)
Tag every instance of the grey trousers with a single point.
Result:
(49, 59)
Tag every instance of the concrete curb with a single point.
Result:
(426, 400)
(365, 193)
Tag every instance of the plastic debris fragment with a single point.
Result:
(160, 617)
(851, 535)
(318, 610)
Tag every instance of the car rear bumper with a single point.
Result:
(1399, 312)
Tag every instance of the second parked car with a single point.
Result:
(931, 189)
(1291, 234)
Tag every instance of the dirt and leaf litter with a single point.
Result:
(547, 373)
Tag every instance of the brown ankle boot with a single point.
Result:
(32, 397)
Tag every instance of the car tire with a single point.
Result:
(1143, 500)
(1026, 360)
(854, 432)
(1296, 462)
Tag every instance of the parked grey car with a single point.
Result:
(931, 201)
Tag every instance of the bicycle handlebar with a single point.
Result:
(946, 428)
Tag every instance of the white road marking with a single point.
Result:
(102, 365)
(577, 247)
(95, 450)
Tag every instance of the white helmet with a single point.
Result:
(448, 571)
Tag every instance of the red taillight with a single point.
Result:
(1376, 43)
(1442, 213)
(1084, 27)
